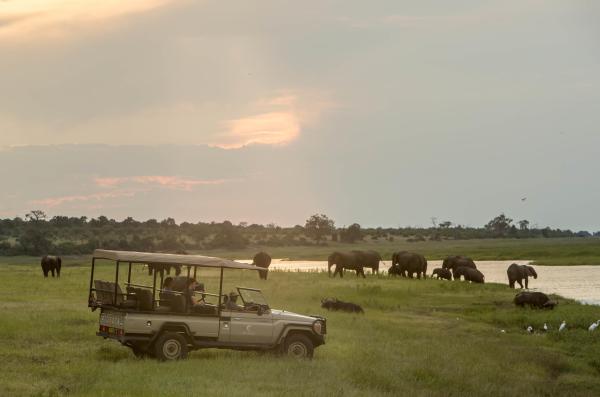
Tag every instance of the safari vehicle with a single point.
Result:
(160, 323)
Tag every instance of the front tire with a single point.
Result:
(171, 346)
(299, 346)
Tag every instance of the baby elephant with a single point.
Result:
(536, 300)
(335, 304)
(442, 273)
(469, 274)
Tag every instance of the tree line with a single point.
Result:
(35, 234)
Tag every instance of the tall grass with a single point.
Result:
(417, 338)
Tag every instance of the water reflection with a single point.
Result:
(577, 282)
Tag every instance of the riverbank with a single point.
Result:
(543, 252)
(417, 337)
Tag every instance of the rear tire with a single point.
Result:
(171, 346)
(299, 346)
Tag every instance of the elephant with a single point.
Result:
(537, 300)
(407, 264)
(162, 268)
(442, 273)
(369, 259)
(469, 274)
(455, 261)
(345, 260)
(50, 264)
(262, 259)
(517, 273)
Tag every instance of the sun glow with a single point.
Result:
(24, 18)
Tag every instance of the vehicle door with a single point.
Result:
(249, 327)
(246, 324)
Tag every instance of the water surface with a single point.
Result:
(577, 282)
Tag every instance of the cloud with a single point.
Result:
(272, 120)
(288, 114)
(119, 187)
(21, 19)
(169, 182)
(275, 128)
(52, 202)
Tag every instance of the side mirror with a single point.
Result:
(260, 311)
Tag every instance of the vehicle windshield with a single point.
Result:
(252, 296)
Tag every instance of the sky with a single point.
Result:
(384, 113)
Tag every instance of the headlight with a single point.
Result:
(318, 327)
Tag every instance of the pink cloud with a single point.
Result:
(168, 182)
(56, 201)
(55, 18)
(275, 128)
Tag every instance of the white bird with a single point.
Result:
(530, 329)
(545, 327)
(563, 325)
(503, 331)
(593, 327)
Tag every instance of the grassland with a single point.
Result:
(418, 338)
(543, 251)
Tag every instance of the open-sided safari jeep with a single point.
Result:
(161, 323)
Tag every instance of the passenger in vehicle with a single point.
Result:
(193, 286)
(168, 286)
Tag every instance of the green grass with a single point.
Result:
(417, 338)
(550, 251)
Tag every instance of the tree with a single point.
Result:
(499, 224)
(352, 233)
(229, 237)
(523, 224)
(445, 225)
(35, 216)
(33, 239)
(318, 226)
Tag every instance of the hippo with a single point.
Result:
(537, 300)
(335, 304)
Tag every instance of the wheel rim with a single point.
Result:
(297, 349)
(171, 349)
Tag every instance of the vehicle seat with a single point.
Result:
(178, 303)
(166, 300)
(144, 299)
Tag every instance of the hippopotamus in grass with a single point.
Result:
(537, 300)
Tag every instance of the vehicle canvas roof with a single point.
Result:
(171, 259)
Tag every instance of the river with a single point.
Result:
(581, 283)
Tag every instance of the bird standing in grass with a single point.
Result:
(530, 329)
(545, 327)
(562, 327)
(593, 327)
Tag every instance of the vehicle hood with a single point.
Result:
(291, 316)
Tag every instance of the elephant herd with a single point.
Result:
(410, 264)
(404, 264)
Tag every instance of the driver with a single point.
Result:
(231, 302)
